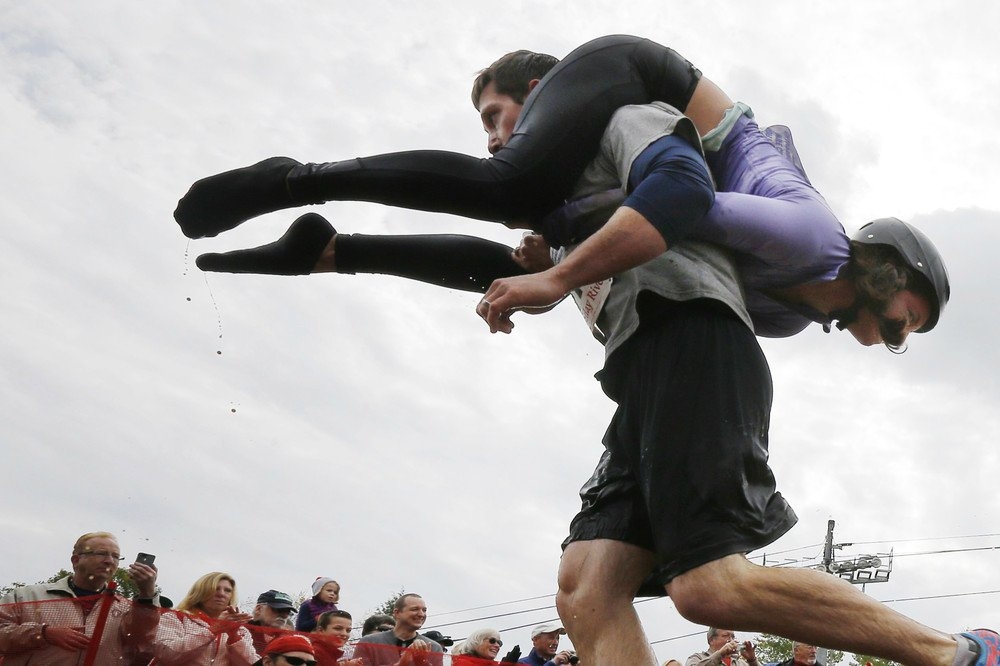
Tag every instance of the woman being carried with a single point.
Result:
(796, 261)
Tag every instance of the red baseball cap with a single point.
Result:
(291, 643)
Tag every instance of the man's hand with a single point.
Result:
(416, 654)
(562, 657)
(144, 577)
(727, 650)
(509, 294)
(67, 638)
(749, 652)
(532, 254)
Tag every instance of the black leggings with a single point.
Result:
(457, 262)
(557, 134)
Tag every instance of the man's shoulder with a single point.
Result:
(55, 590)
(531, 658)
(697, 657)
(652, 108)
(655, 117)
(630, 131)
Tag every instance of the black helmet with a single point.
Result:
(919, 254)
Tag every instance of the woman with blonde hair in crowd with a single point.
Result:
(207, 627)
(481, 645)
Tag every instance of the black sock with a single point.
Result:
(295, 253)
(223, 201)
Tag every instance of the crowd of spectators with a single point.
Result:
(83, 619)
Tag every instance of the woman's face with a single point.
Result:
(489, 648)
(339, 629)
(220, 600)
(330, 593)
(906, 307)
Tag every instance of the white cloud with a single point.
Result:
(380, 436)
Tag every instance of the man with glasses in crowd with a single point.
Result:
(58, 627)
(724, 650)
(271, 614)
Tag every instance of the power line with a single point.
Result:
(870, 543)
(502, 603)
(949, 551)
(700, 632)
(927, 552)
(941, 596)
(884, 601)
(764, 555)
(967, 536)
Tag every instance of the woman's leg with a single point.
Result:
(558, 132)
(312, 245)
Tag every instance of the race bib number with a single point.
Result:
(590, 299)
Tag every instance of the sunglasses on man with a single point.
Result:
(297, 661)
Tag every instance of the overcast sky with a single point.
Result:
(372, 430)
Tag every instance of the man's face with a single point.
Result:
(546, 644)
(499, 114)
(412, 616)
(906, 306)
(96, 563)
(804, 654)
(271, 617)
(722, 636)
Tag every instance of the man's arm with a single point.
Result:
(138, 627)
(626, 241)
(670, 191)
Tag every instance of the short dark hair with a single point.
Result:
(372, 624)
(512, 73)
(326, 618)
(400, 603)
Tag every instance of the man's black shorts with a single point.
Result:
(685, 471)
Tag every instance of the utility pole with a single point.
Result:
(828, 547)
(859, 570)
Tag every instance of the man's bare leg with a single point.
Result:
(597, 582)
(804, 605)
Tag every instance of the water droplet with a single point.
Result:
(233, 410)
(188, 299)
(219, 352)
